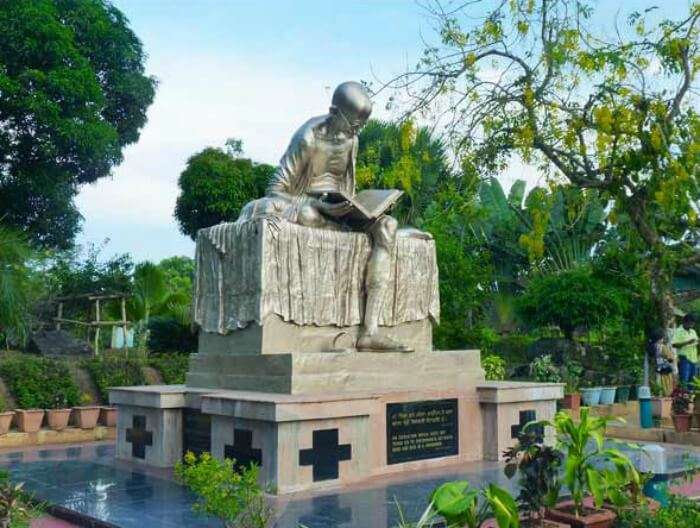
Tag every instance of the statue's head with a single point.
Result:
(351, 106)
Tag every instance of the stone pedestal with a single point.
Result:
(507, 406)
(277, 381)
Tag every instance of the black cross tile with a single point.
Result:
(139, 437)
(325, 454)
(525, 418)
(242, 450)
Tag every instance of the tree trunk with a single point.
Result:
(662, 300)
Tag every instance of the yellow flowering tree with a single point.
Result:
(615, 115)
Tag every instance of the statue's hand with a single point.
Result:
(336, 210)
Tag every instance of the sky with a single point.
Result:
(254, 70)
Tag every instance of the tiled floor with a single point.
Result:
(89, 480)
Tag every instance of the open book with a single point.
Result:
(366, 205)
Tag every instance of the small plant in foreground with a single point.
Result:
(465, 507)
(231, 495)
(582, 445)
(537, 466)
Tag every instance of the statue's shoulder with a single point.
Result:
(308, 133)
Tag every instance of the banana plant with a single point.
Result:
(465, 507)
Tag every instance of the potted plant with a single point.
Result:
(538, 468)
(29, 420)
(680, 403)
(607, 393)
(5, 417)
(590, 394)
(87, 414)
(461, 505)
(58, 415)
(572, 379)
(544, 370)
(584, 452)
(622, 395)
(108, 416)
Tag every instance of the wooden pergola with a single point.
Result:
(97, 323)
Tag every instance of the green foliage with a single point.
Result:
(583, 449)
(681, 400)
(680, 512)
(544, 370)
(572, 376)
(233, 496)
(172, 367)
(494, 368)
(16, 286)
(114, 370)
(401, 156)
(571, 299)
(537, 466)
(15, 511)
(579, 107)
(39, 383)
(465, 273)
(214, 187)
(73, 94)
(166, 334)
(464, 506)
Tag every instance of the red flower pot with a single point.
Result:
(108, 416)
(57, 418)
(86, 417)
(572, 401)
(565, 513)
(29, 420)
(681, 422)
(6, 421)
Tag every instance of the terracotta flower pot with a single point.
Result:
(86, 417)
(525, 523)
(58, 418)
(565, 513)
(108, 416)
(681, 422)
(29, 420)
(572, 401)
(6, 421)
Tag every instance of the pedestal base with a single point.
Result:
(304, 442)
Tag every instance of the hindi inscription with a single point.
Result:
(421, 430)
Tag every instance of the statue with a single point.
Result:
(320, 157)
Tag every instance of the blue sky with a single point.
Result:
(254, 70)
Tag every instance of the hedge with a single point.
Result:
(39, 383)
(114, 370)
(172, 367)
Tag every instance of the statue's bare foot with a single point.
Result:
(375, 343)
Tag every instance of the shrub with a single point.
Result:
(231, 495)
(114, 370)
(681, 400)
(38, 383)
(542, 369)
(494, 368)
(679, 513)
(167, 334)
(172, 367)
(571, 299)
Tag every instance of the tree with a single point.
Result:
(73, 94)
(15, 286)
(215, 185)
(401, 156)
(615, 116)
(571, 299)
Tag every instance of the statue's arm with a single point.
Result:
(351, 167)
(286, 180)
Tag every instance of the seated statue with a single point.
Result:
(321, 156)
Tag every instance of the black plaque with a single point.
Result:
(196, 432)
(420, 430)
